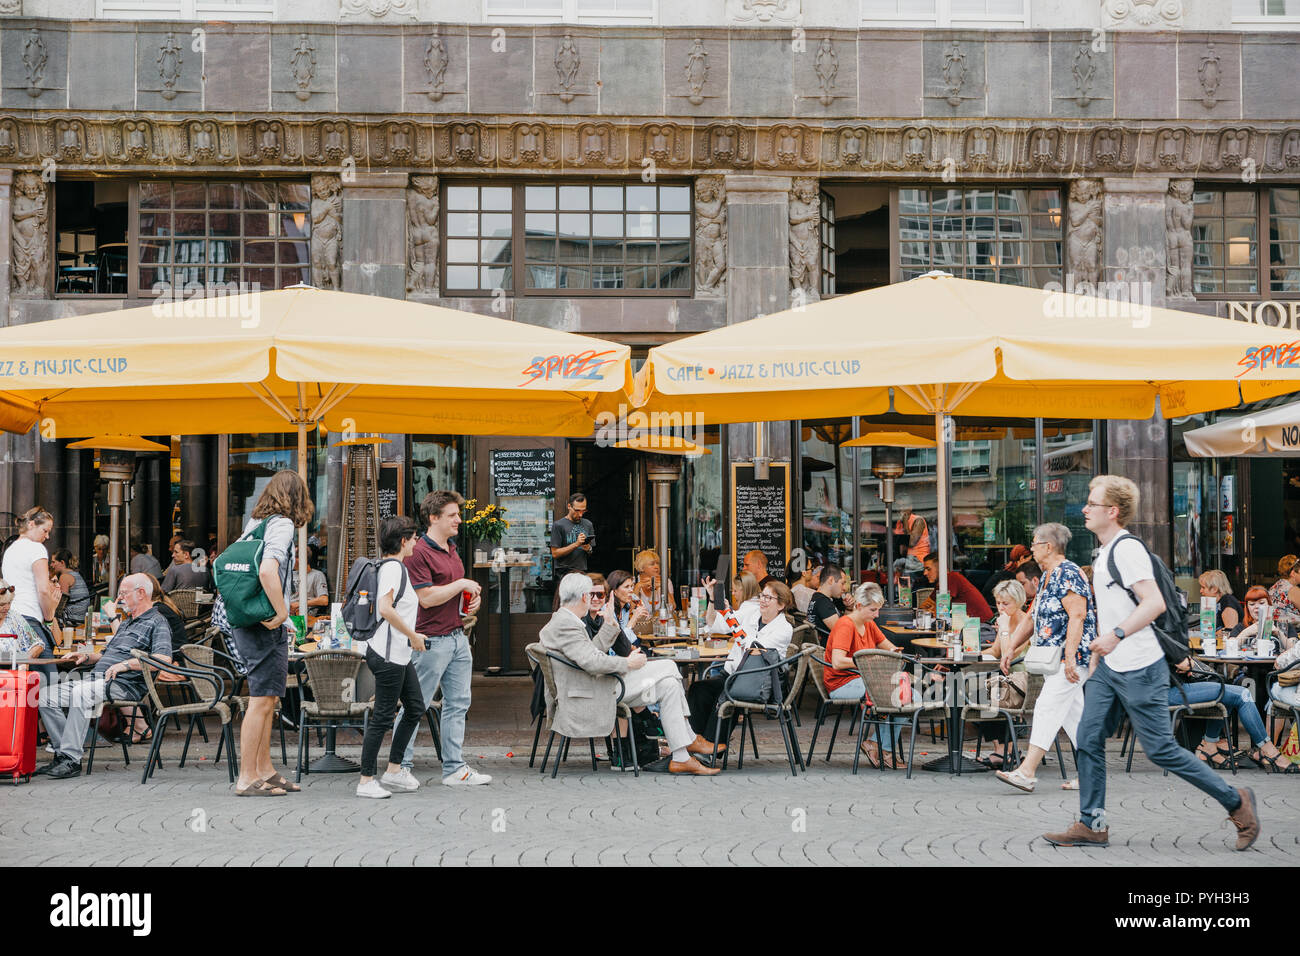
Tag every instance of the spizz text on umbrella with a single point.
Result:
(99, 365)
(583, 366)
(1283, 355)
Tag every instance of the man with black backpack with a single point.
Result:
(1134, 591)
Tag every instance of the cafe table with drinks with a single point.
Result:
(1256, 655)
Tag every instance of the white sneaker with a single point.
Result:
(403, 781)
(468, 777)
(371, 788)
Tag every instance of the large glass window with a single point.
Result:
(587, 238)
(573, 11)
(1249, 10)
(220, 233)
(986, 233)
(185, 9)
(947, 12)
(827, 469)
(90, 225)
(1227, 225)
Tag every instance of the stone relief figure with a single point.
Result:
(31, 235)
(169, 65)
(805, 238)
(567, 61)
(435, 66)
(697, 71)
(1210, 75)
(1084, 71)
(326, 232)
(1084, 240)
(422, 235)
(828, 64)
(1178, 240)
(954, 73)
(710, 236)
(35, 56)
(11, 8)
(302, 64)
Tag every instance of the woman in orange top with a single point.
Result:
(855, 631)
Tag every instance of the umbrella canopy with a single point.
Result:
(1271, 433)
(120, 443)
(267, 361)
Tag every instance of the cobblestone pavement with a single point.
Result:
(827, 817)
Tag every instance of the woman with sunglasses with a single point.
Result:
(28, 642)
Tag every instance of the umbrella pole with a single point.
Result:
(941, 485)
(302, 532)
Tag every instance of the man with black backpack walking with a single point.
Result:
(1131, 672)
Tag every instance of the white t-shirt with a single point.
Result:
(720, 626)
(17, 570)
(1141, 648)
(390, 579)
(775, 635)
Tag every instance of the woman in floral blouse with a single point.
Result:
(1064, 616)
(1284, 595)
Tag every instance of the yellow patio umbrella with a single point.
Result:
(300, 358)
(949, 345)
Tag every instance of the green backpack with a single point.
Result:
(236, 573)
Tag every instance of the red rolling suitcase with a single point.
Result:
(18, 692)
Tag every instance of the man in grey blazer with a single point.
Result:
(587, 697)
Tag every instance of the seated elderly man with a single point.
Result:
(116, 675)
(587, 699)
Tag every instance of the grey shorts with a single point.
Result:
(264, 656)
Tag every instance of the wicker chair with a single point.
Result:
(186, 601)
(817, 677)
(1276, 707)
(782, 710)
(332, 676)
(546, 660)
(209, 657)
(93, 734)
(211, 690)
(878, 669)
(1017, 718)
(1208, 710)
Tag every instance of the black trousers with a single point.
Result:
(393, 682)
(702, 698)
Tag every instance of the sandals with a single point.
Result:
(1070, 784)
(260, 789)
(1219, 760)
(1270, 764)
(278, 781)
(988, 762)
(881, 761)
(142, 737)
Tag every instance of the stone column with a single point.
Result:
(197, 485)
(374, 242)
(1136, 251)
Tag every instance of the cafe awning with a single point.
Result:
(1270, 433)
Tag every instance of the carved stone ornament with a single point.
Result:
(1178, 240)
(805, 238)
(851, 147)
(35, 56)
(1158, 14)
(376, 9)
(710, 237)
(980, 149)
(10, 134)
(422, 235)
(169, 65)
(827, 65)
(435, 66)
(31, 236)
(71, 140)
(326, 232)
(1289, 150)
(302, 66)
(763, 11)
(1083, 240)
(1210, 75)
(567, 62)
(11, 8)
(1084, 71)
(954, 73)
(664, 145)
(595, 144)
(697, 71)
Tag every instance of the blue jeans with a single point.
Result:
(1235, 698)
(856, 690)
(1144, 694)
(447, 662)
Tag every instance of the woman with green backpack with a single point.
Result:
(253, 577)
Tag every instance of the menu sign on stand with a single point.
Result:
(523, 472)
(760, 515)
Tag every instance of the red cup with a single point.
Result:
(465, 598)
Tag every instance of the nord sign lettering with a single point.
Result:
(1285, 315)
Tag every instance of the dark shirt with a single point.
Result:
(1227, 601)
(429, 565)
(149, 632)
(821, 607)
(175, 622)
(563, 533)
(186, 576)
(996, 578)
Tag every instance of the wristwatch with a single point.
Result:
(1119, 633)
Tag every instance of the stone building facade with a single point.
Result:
(754, 105)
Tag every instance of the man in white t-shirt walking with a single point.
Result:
(1130, 673)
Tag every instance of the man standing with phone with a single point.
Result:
(572, 538)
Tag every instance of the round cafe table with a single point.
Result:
(330, 761)
(955, 698)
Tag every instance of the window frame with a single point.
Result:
(1263, 281)
(566, 11)
(518, 289)
(199, 10)
(943, 18)
(1280, 21)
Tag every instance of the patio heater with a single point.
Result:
(887, 465)
(662, 471)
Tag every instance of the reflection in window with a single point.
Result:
(995, 235)
(254, 459)
(828, 493)
(1225, 241)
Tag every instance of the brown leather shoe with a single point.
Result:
(1245, 819)
(1079, 835)
(701, 746)
(692, 766)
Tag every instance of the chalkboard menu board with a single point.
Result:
(391, 494)
(760, 515)
(523, 471)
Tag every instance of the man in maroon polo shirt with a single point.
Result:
(438, 577)
(962, 591)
